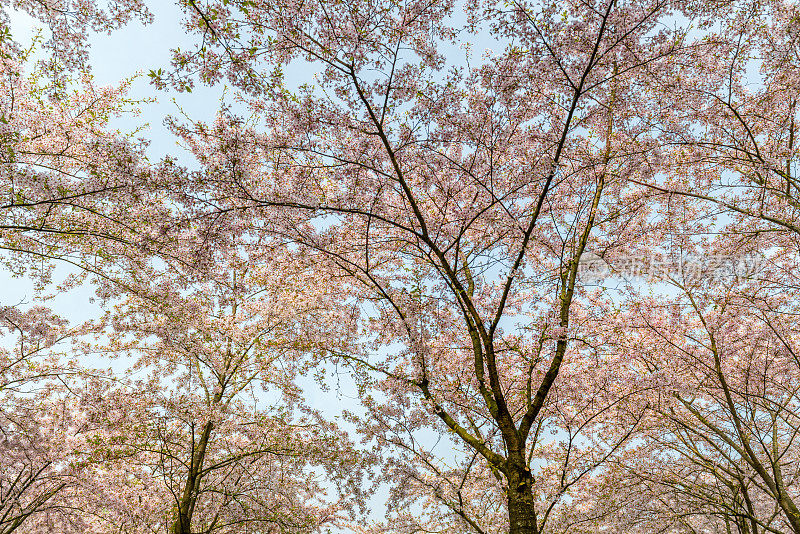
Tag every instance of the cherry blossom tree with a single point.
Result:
(384, 199)
(210, 433)
(730, 428)
(60, 168)
(455, 199)
(40, 425)
(74, 188)
(728, 442)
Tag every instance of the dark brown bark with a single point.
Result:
(521, 511)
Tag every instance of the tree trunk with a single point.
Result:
(183, 523)
(791, 511)
(521, 511)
